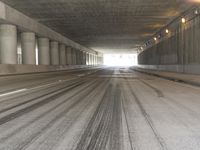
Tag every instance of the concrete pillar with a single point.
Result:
(84, 58)
(72, 51)
(89, 59)
(28, 45)
(69, 56)
(62, 54)
(8, 44)
(81, 58)
(74, 56)
(92, 59)
(43, 51)
(77, 57)
(54, 53)
(95, 59)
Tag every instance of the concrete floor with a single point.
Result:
(109, 109)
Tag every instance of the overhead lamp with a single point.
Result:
(155, 39)
(167, 31)
(196, 12)
(183, 20)
(159, 36)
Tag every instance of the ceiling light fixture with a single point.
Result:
(155, 39)
(183, 20)
(167, 31)
(196, 12)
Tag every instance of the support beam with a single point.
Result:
(28, 45)
(43, 51)
(54, 53)
(8, 44)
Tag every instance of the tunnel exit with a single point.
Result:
(120, 59)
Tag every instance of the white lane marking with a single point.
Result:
(81, 75)
(13, 92)
(40, 86)
(33, 88)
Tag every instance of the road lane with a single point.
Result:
(110, 109)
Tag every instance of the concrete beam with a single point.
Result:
(25, 23)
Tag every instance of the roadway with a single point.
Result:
(98, 109)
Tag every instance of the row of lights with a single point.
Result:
(183, 21)
(167, 31)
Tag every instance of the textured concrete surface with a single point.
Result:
(24, 23)
(192, 79)
(186, 69)
(106, 25)
(179, 52)
(111, 109)
(23, 69)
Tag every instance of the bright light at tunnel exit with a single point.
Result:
(120, 59)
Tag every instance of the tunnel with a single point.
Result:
(99, 74)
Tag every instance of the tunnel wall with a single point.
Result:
(179, 52)
(29, 69)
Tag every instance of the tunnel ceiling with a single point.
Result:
(104, 25)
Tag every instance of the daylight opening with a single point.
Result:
(120, 59)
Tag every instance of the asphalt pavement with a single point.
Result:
(98, 109)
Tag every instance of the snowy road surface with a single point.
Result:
(109, 109)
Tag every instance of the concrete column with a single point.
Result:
(94, 59)
(81, 58)
(54, 53)
(72, 51)
(8, 44)
(69, 56)
(90, 59)
(28, 45)
(43, 51)
(62, 54)
(84, 58)
(77, 57)
(74, 56)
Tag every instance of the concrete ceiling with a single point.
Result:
(104, 25)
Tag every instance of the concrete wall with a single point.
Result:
(24, 69)
(179, 52)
